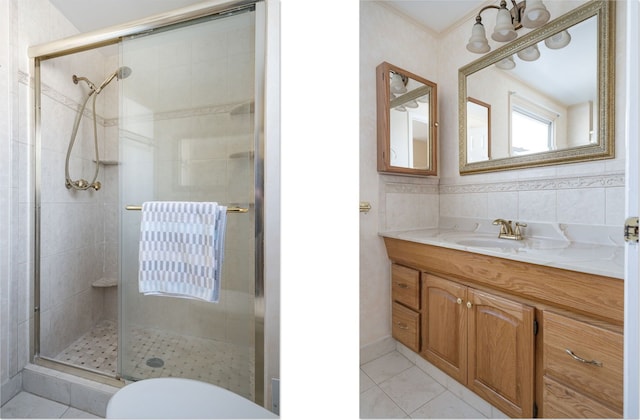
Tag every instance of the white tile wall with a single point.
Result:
(5, 189)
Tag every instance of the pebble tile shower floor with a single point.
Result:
(227, 365)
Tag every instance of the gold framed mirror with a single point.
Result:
(407, 122)
(567, 95)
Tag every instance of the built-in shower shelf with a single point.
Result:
(108, 162)
(105, 282)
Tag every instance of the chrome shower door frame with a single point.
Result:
(113, 35)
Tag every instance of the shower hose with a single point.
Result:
(82, 184)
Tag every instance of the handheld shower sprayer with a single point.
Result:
(82, 184)
(122, 73)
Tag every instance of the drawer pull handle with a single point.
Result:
(403, 285)
(581, 360)
(402, 325)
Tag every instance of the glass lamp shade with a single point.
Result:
(504, 32)
(411, 104)
(400, 108)
(535, 14)
(478, 42)
(506, 64)
(530, 53)
(557, 41)
(397, 86)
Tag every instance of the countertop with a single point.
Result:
(557, 250)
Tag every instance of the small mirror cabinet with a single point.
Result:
(407, 122)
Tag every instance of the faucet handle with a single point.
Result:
(505, 226)
(517, 230)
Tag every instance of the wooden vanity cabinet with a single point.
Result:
(482, 340)
(490, 347)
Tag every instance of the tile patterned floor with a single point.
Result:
(97, 349)
(29, 406)
(395, 387)
(227, 365)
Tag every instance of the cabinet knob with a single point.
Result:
(459, 301)
(469, 305)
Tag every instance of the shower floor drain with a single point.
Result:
(155, 362)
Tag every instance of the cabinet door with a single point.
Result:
(501, 349)
(444, 339)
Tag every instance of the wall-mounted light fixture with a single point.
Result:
(398, 86)
(398, 83)
(527, 13)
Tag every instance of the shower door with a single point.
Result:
(187, 133)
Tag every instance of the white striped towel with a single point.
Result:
(182, 249)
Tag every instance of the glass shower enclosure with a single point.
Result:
(187, 134)
(182, 123)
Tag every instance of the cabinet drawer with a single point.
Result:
(601, 381)
(563, 402)
(406, 326)
(405, 286)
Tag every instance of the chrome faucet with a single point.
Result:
(507, 231)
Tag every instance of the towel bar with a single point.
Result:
(229, 209)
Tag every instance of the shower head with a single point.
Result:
(122, 73)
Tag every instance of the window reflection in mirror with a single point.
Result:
(534, 127)
(409, 134)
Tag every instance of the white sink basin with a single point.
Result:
(491, 243)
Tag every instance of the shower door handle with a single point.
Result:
(229, 209)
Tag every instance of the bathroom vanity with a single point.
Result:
(512, 320)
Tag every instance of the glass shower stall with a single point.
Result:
(171, 113)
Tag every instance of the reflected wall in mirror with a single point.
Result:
(478, 130)
(406, 122)
(551, 95)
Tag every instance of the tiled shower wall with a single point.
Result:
(74, 223)
(8, 189)
(23, 23)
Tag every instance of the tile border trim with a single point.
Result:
(609, 180)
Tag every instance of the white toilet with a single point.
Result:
(177, 398)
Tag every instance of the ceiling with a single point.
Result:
(89, 15)
(438, 15)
